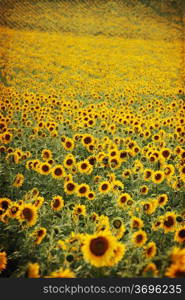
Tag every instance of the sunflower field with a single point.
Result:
(92, 138)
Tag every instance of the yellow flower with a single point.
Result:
(3, 261)
(180, 235)
(104, 187)
(44, 168)
(82, 190)
(57, 203)
(39, 234)
(79, 210)
(139, 238)
(33, 270)
(150, 250)
(98, 248)
(62, 273)
(158, 177)
(28, 213)
(18, 181)
(136, 223)
(58, 172)
(123, 199)
(169, 222)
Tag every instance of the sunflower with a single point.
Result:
(92, 160)
(117, 223)
(150, 250)
(6, 137)
(104, 187)
(46, 154)
(84, 167)
(39, 234)
(44, 168)
(123, 199)
(136, 223)
(70, 187)
(87, 140)
(91, 195)
(94, 217)
(147, 174)
(115, 162)
(117, 185)
(169, 222)
(162, 199)
(169, 170)
(13, 210)
(3, 261)
(139, 238)
(102, 223)
(61, 273)
(5, 203)
(69, 161)
(144, 190)
(82, 190)
(28, 214)
(126, 173)
(18, 181)
(79, 210)
(119, 252)
(176, 271)
(38, 202)
(68, 144)
(165, 153)
(33, 270)
(57, 203)
(34, 192)
(149, 206)
(178, 256)
(98, 249)
(157, 223)
(118, 228)
(151, 269)
(158, 177)
(180, 235)
(58, 172)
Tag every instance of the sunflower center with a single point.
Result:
(148, 174)
(14, 210)
(117, 223)
(165, 153)
(68, 144)
(4, 204)
(182, 233)
(169, 222)
(179, 274)
(69, 162)
(139, 238)
(40, 232)
(161, 199)
(56, 203)
(149, 250)
(45, 168)
(87, 140)
(84, 166)
(99, 246)
(28, 214)
(123, 199)
(70, 186)
(104, 186)
(82, 190)
(158, 176)
(58, 171)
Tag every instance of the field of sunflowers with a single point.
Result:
(92, 139)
